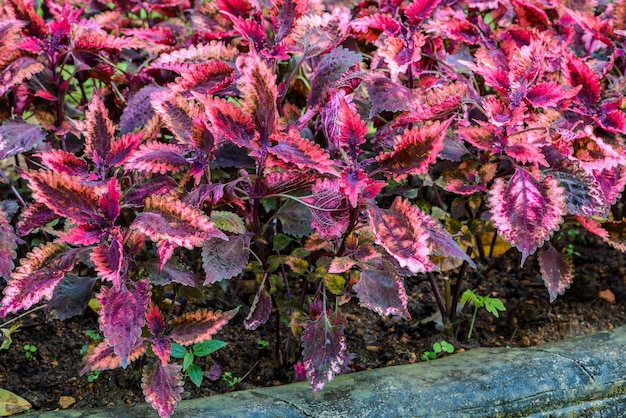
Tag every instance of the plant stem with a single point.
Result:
(13, 189)
(469, 334)
(4, 324)
(457, 286)
(440, 303)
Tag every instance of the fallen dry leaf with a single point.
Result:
(66, 401)
(11, 404)
(607, 295)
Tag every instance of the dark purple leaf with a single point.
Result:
(34, 216)
(8, 244)
(104, 357)
(386, 95)
(557, 271)
(154, 320)
(259, 311)
(173, 271)
(330, 69)
(224, 259)
(70, 297)
(382, 290)
(139, 112)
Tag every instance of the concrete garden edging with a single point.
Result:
(582, 377)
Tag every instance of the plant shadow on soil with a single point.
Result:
(375, 341)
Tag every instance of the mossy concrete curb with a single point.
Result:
(582, 377)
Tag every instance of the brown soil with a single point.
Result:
(375, 341)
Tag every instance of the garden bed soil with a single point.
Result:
(594, 302)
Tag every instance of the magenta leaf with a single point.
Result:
(324, 347)
(17, 136)
(70, 297)
(420, 10)
(380, 289)
(37, 276)
(330, 210)
(224, 259)
(162, 347)
(17, 72)
(198, 326)
(414, 151)
(104, 357)
(612, 182)
(122, 316)
(108, 260)
(400, 230)
(577, 73)
(557, 271)
(549, 94)
(259, 311)
(157, 157)
(526, 211)
(64, 162)
(205, 78)
(162, 385)
(8, 244)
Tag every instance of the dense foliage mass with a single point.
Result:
(329, 149)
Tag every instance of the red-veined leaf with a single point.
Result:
(122, 316)
(157, 157)
(401, 232)
(414, 151)
(162, 348)
(557, 271)
(162, 385)
(194, 327)
(177, 114)
(530, 15)
(65, 195)
(154, 320)
(123, 147)
(259, 92)
(98, 129)
(302, 153)
(108, 260)
(34, 216)
(64, 162)
(206, 78)
(419, 10)
(549, 94)
(526, 211)
(612, 182)
(104, 357)
(352, 130)
(37, 276)
(229, 123)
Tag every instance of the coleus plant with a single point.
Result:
(319, 146)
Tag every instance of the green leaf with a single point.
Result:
(195, 374)
(5, 335)
(467, 296)
(207, 347)
(437, 348)
(281, 241)
(447, 347)
(228, 221)
(494, 305)
(187, 360)
(178, 351)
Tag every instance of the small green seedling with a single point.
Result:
(203, 349)
(30, 352)
(263, 343)
(492, 305)
(93, 376)
(438, 348)
(230, 379)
